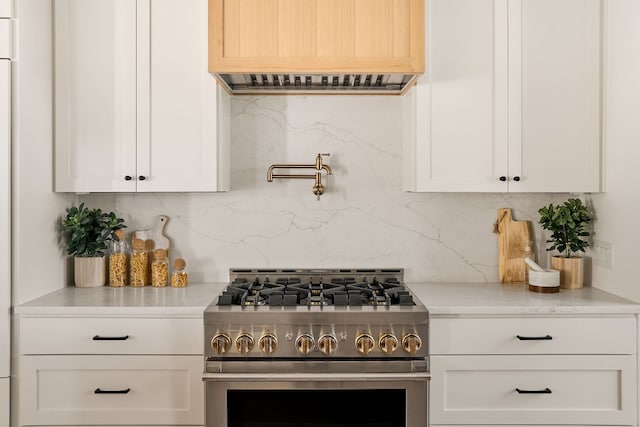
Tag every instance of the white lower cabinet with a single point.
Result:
(552, 371)
(110, 371)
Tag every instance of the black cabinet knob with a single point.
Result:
(516, 178)
(142, 177)
(127, 178)
(503, 178)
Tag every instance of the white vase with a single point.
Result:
(89, 272)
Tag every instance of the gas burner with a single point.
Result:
(243, 292)
(357, 287)
(313, 294)
(389, 292)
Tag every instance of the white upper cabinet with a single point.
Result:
(135, 108)
(510, 100)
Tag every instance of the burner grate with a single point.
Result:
(344, 287)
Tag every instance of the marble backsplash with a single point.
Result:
(364, 219)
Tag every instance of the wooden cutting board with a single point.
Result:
(513, 237)
(156, 233)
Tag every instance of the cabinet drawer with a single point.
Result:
(61, 390)
(571, 335)
(580, 390)
(66, 335)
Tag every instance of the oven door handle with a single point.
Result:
(209, 376)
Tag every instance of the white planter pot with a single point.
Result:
(89, 272)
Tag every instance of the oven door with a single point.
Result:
(315, 399)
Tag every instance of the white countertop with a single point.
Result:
(507, 299)
(439, 298)
(188, 301)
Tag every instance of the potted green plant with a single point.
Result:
(567, 224)
(88, 233)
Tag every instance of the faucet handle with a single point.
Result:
(319, 160)
(318, 188)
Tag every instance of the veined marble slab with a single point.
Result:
(126, 301)
(443, 298)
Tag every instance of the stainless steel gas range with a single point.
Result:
(316, 347)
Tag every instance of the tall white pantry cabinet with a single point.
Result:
(510, 100)
(135, 107)
(5, 209)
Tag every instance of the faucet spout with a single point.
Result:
(318, 167)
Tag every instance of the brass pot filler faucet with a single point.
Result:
(318, 188)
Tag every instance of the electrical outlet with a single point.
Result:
(602, 254)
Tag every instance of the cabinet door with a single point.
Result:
(554, 95)
(457, 125)
(95, 95)
(181, 145)
(5, 8)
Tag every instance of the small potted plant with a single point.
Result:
(567, 224)
(88, 233)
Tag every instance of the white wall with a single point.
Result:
(618, 209)
(363, 220)
(38, 266)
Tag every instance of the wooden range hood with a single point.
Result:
(316, 46)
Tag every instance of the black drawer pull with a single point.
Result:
(546, 337)
(125, 391)
(99, 338)
(544, 391)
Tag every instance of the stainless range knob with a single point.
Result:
(411, 343)
(327, 344)
(387, 343)
(221, 343)
(305, 344)
(268, 344)
(364, 344)
(244, 343)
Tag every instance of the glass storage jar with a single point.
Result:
(138, 264)
(179, 275)
(160, 268)
(118, 260)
